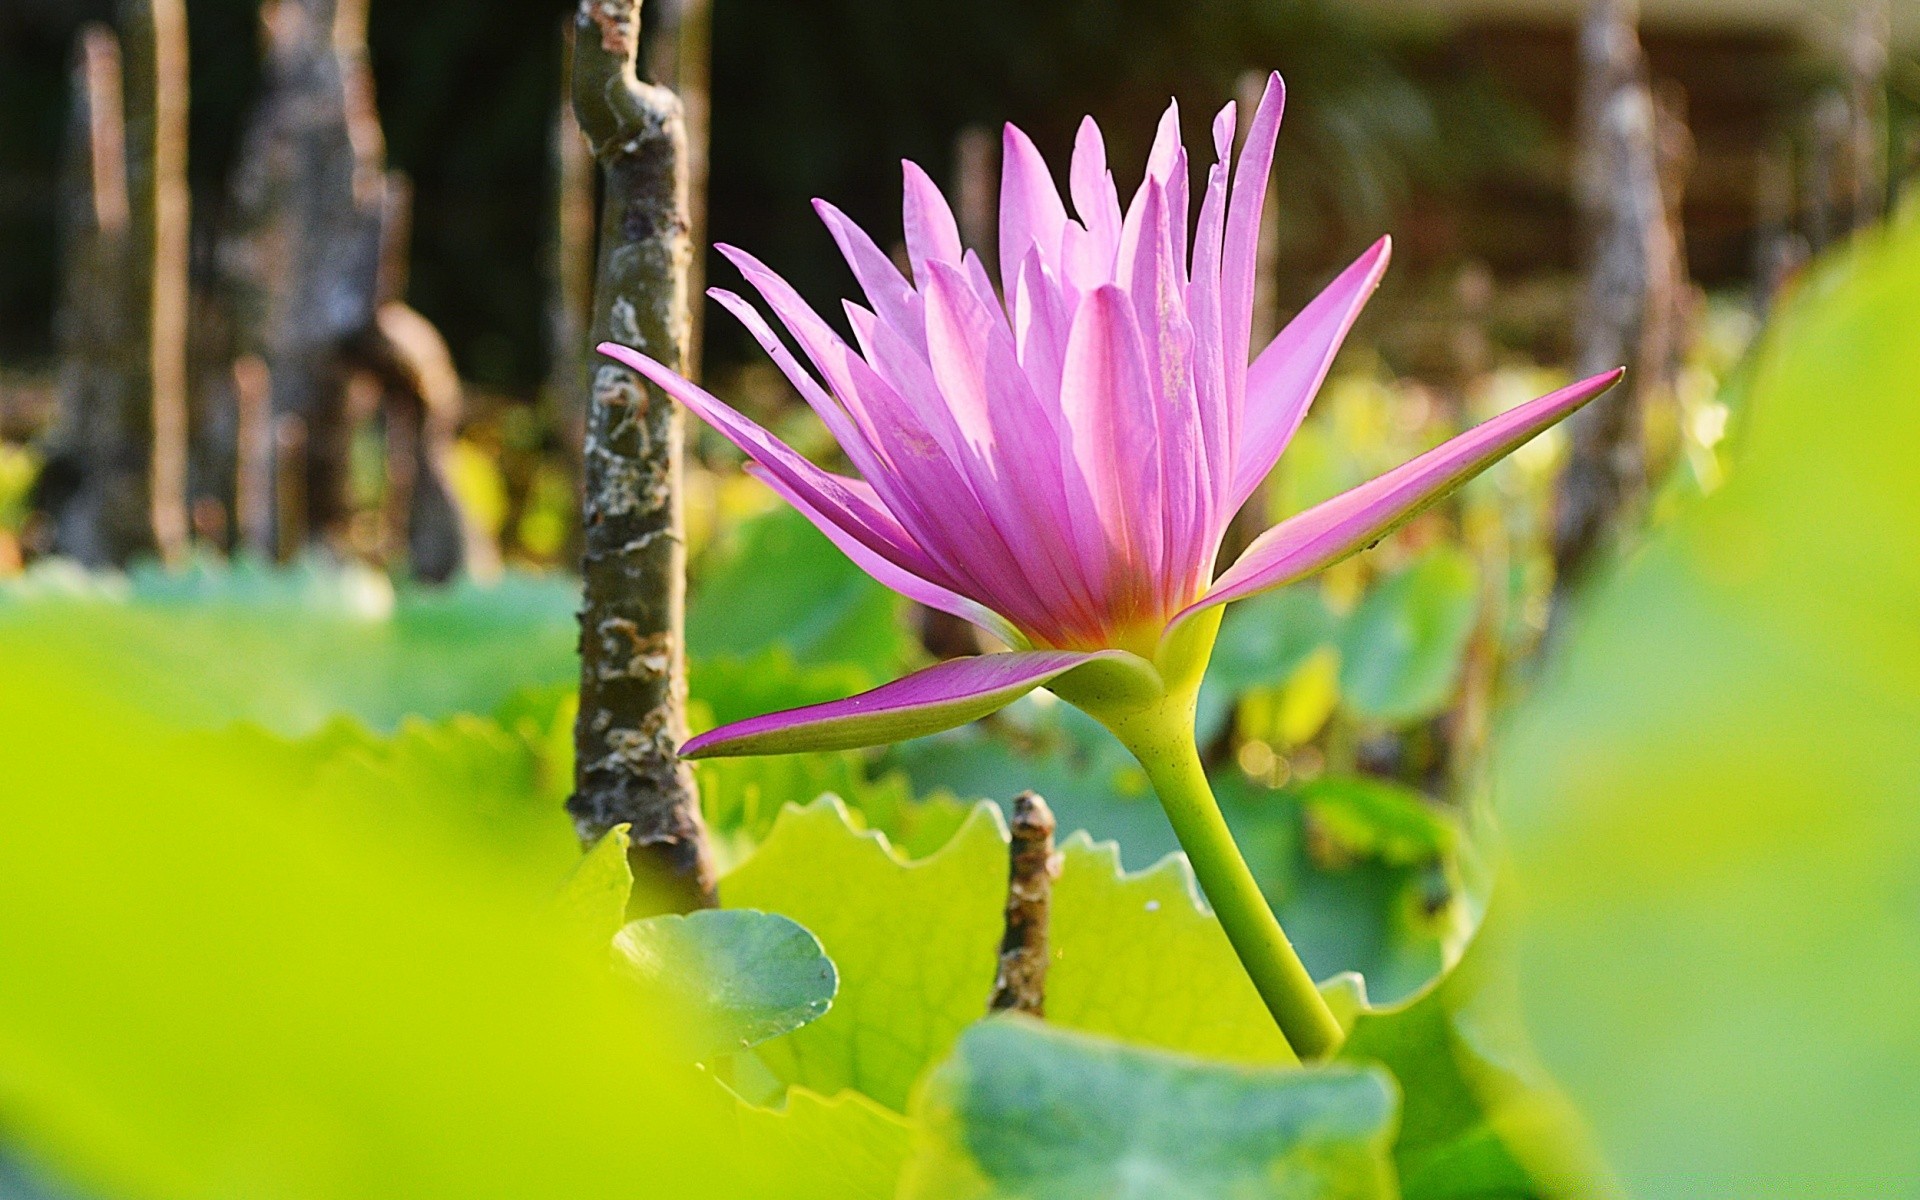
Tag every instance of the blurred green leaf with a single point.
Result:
(1401, 649)
(1138, 957)
(594, 898)
(1024, 1111)
(782, 583)
(464, 782)
(292, 648)
(738, 977)
(1714, 799)
(1369, 817)
(732, 688)
(237, 991)
(1262, 642)
(916, 943)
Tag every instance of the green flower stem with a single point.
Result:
(1161, 737)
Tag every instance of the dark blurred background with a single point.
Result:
(1447, 131)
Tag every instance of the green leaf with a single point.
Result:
(1711, 800)
(814, 1148)
(1401, 650)
(1369, 817)
(784, 584)
(292, 648)
(739, 977)
(1137, 957)
(1023, 1111)
(916, 943)
(594, 898)
(463, 782)
(238, 990)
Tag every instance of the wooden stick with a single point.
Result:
(1021, 985)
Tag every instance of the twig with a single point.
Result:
(632, 658)
(1021, 985)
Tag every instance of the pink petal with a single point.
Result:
(1094, 200)
(1239, 257)
(1040, 317)
(887, 290)
(1113, 426)
(1164, 158)
(842, 426)
(1159, 300)
(1203, 309)
(1031, 214)
(1014, 438)
(941, 697)
(932, 235)
(888, 573)
(846, 502)
(1356, 519)
(938, 504)
(1282, 381)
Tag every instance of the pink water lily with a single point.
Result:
(1057, 460)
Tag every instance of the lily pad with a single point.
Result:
(1023, 1111)
(739, 977)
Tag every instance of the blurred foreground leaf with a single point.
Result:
(594, 898)
(236, 992)
(738, 977)
(1714, 800)
(1023, 1111)
(291, 648)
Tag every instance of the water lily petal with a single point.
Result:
(833, 414)
(1031, 212)
(1241, 253)
(1282, 381)
(1095, 201)
(1356, 519)
(931, 232)
(888, 291)
(943, 696)
(846, 502)
(1114, 429)
(891, 574)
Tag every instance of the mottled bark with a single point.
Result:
(93, 490)
(154, 33)
(1021, 984)
(632, 654)
(1635, 281)
(301, 257)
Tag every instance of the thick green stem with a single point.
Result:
(1161, 737)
